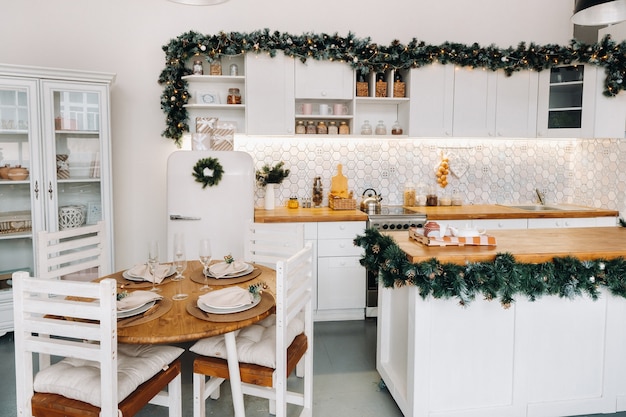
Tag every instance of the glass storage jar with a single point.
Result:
(300, 127)
(333, 129)
(322, 129)
(344, 129)
(381, 129)
(366, 128)
(310, 128)
(234, 97)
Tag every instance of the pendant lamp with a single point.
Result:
(199, 2)
(599, 12)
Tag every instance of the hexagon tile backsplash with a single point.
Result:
(589, 172)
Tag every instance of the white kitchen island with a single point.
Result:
(551, 357)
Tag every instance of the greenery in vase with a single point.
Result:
(272, 175)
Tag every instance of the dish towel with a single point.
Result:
(230, 297)
(222, 269)
(137, 299)
(143, 271)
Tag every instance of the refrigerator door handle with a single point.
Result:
(179, 217)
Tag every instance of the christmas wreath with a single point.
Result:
(208, 171)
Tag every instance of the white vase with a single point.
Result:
(269, 196)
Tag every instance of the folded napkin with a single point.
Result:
(221, 269)
(136, 299)
(143, 271)
(230, 297)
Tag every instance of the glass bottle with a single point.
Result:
(409, 194)
(381, 129)
(333, 129)
(322, 129)
(396, 129)
(344, 129)
(300, 127)
(216, 67)
(197, 67)
(234, 70)
(366, 128)
(310, 128)
(318, 192)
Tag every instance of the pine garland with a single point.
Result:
(503, 279)
(366, 56)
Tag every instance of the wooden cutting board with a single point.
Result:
(339, 184)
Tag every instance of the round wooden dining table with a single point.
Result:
(181, 321)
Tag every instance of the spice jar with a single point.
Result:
(366, 128)
(300, 127)
(396, 129)
(310, 128)
(381, 129)
(431, 197)
(344, 129)
(333, 129)
(215, 67)
(293, 203)
(445, 200)
(322, 129)
(409, 194)
(234, 70)
(318, 192)
(234, 97)
(197, 67)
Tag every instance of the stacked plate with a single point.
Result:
(133, 311)
(138, 273)
(228, 300)
(136, 302)
(235, 270)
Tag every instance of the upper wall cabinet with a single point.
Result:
(474, 108)
(270, 93)
(516, 104)
(566, 102)
(324, 80)
(432, 93)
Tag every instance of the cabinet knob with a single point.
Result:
(36, 190)
(50, 190)
(324, 93)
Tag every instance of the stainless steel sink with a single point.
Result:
(537, 207)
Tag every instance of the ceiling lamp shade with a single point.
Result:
(599, 12)
(199, 2)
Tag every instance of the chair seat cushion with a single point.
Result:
(79, 379)
(255, 344)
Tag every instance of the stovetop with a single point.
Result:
(396, 218)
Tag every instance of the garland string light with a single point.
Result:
(365, 56)
(503, 278)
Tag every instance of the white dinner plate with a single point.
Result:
(130, 277)
(136, 310)
(246, 271)
(215, 310)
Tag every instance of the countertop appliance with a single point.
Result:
(389, 218)
(220, 212)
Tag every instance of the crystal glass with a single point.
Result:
(153, 263)
(204, 254)
(179, 252)
(180, 263)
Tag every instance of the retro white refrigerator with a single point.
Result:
(220, 212)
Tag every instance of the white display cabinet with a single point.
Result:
(55, 123)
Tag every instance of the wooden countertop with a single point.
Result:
(320, 214)
(496, 211)
(528, 245)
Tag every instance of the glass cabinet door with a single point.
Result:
(20, 187)
(73, 120)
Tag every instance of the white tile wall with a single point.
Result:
(590, 172)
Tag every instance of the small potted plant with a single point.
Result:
(267, 177)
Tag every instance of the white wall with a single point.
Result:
(125, 37)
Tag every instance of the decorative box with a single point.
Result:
(201, 141)
(205, 124)
(362, 89)
(338, 203)
(381, 89)
(399, 89)
(15, 222)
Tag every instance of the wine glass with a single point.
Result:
(180, 263)
(179, 253)
(153, 262)
(204, 253)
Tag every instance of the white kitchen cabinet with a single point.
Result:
(474, 108)
(432, 98)
(341, 279)
(270, 94)
(516, 104)
(563, 222)
(324, 80)
(500, 224)
(209, 94)
(566, 102)
(56, 124)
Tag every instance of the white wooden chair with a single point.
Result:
(78, 254)
(267, 243)
(95, 376)
(264, 371)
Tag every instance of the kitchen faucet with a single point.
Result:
(541, 197)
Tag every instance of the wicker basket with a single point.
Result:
(15, 222)
(381, 89)
(399, 89)
(362, 89)
(337, 203)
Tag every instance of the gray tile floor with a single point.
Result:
(346, 383)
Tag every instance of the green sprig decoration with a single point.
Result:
(208, 172)
(502, 279)
(365, 57)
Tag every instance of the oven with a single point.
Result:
(390, 218)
